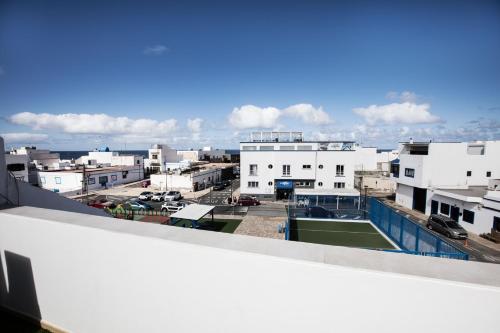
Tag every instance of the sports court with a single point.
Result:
(361, 234)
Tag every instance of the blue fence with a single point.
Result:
(409, 236)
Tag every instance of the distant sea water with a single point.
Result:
(74, 154)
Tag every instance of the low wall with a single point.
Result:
(95, 274)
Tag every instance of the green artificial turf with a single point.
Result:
(220, 225)
(352, 234)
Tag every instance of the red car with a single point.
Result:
(248, 201)
(146, 183)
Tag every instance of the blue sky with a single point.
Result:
(82, 74)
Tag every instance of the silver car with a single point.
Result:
(446, 226)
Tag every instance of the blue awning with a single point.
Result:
(284, 185)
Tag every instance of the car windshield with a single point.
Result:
(171, 193)
(453, 225)
(158, 193)
(144, 193)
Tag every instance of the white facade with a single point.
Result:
(384, 159)
(159, 155)
(447, 173)
(189, 181)
(38, 159)
(70, 181)
(266, 166)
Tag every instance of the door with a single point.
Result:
(454, 213)
(434, 207)
(419, 199)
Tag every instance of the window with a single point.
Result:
(249, 148)
(253, 184)
(154, 156)
(304, 147)
(253, 169)
(270, 166)
(58, 180)
(287, 147)
(340, 170)
(409, 172)
(16, 167)
(286, 170)
(266, 147)
(306, 166)
(42, 179)
(320, 166)
(124, 174)
(488, 173)
(445, 209)
(320, 184)
(468, 216)
(496, 223)
(114, 178)
(339, 185)
(91, 180)
(103, 180)
(469, 173)
(138, 162)
(270, 183)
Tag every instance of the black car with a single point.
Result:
(317, 211)
(218, 187)
(447, 226)
(226, 183)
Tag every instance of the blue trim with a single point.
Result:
(284, 184)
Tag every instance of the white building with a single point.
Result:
(384, 159)
(159, 155)
(205, 154)
(193, 179)
(69, 182)
(18, 166)
(450, 179)
(273, 164)
(111, 158)
(38, 159)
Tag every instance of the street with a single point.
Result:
(220, 197)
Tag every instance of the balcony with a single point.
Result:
(81, 273)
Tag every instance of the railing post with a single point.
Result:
(401, 224)
(417, 238)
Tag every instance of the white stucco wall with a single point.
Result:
(104, 275)
(404, 196)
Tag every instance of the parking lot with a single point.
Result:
(220, 197)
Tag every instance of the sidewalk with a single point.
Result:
(478, 248)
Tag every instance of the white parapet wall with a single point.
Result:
(95, 274)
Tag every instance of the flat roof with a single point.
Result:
(193, 212)
(463, 194)
(336, 191)
(94, 170)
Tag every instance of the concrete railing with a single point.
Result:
(86, 273)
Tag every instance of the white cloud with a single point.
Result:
(251, 116)
(397, 113)
(155, 50)
(308, 114)
(83, 123)
(194, 125)
(24, 137)
(405, 96)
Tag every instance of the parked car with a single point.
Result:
(218, 187)
(173, 206)
(146, 183)
(158, 196)
(317, 211)
(248, 201)
(226, 183)
(146, 195)
(137, 205)
(102, 203)
(172, 195)
(446, 226)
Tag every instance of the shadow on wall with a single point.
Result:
(18, 294)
